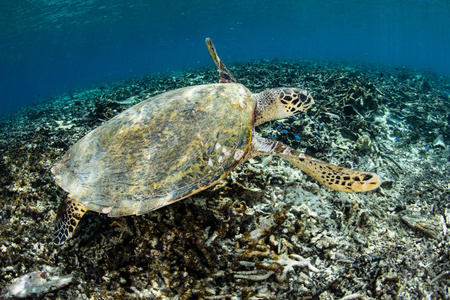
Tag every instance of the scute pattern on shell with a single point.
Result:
(161, 150)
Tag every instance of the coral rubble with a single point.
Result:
(267, 231)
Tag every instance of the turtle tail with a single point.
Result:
(69, 214)
(225, 75)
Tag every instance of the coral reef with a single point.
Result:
(267, 231)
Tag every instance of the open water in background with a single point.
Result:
(49, 47)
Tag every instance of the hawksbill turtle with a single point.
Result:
(179, 143)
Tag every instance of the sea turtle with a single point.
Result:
(179, 143)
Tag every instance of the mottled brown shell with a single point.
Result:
(161, 150)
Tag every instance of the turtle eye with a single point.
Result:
(306, 100)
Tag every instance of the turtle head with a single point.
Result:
(294, 100)
(281, 103)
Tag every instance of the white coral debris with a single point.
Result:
(37, 283)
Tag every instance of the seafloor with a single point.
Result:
(268, 231)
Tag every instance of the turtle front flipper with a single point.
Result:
(329, 175)
(69, 214)
(335, 177)
(225, 75)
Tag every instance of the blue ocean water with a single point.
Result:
(51, 47)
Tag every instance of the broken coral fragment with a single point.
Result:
(37, 283)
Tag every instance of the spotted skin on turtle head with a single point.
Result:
(295, 100)
(280, 103)
(69, 214)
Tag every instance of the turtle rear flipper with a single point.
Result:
(69, 214)
(329, 175)
(225, 75)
